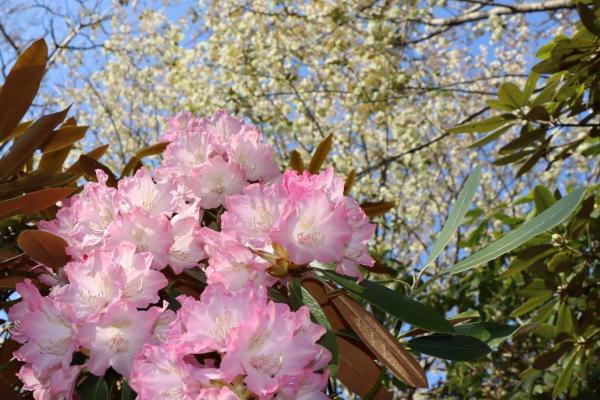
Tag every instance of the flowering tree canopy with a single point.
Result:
(311, 239)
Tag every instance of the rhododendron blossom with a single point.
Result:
(55, 383)
(218, 204)
(116, 336)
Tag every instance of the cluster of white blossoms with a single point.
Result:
(370, 73)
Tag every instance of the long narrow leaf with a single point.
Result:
(543, 222)
(456, 215)
(379, 340)
(393, 303)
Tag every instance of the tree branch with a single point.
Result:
(10, 41)
(502, 9)
(416, 149)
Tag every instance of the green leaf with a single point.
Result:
(127, 392)
(512, 157)
(564, 320)
(549, 66)
(489, 138)
(518, 264)
(543, 198)
(393, 303)
(329, 342)
(525, 138)
(544, 52)
(593, 150)
(485, 125)
(511, 95)
(295, 294)
(93, 388)
(450, 347)
(543, 222)
(545, 95)
(300, 296)
(538, 113)
(467, 314)
(456, 215)
(588, 18)
(537, 287)
(530, 85)
(489, 332)
(564, 379)
(532, 160)
(497, 105)
(531, 304)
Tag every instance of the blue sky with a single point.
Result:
(179, 9)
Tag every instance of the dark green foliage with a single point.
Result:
(551, 281)
(558, 117)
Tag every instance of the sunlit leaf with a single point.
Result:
(64, 137)
(320, 155)
(21, 86)
(381, 342)
(543, 222)
(33, 202)
(511, 95)
(137, 158)
(456, 215)
(296, 162)
(349, 182)
(485, 125)
(24, 146)
(378, 208)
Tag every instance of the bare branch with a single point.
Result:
(502, 9)
(416, 149)
(10, 41)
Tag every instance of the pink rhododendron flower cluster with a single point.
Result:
(216, 203)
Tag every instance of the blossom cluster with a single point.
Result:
(217, 203)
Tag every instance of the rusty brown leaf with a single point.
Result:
(21, 86)
(95, 154)
(320, 155)
(52, 162)
(296, 162)
(33, 182)
(357, 368)
(89, 167)
(349, 182)
(33, 202)
(11, 281)
(44, 247)
(133, 163)
(381, 342)
(24, 146)
(64, 137)
(8, 374)
(378, 208)
(18, 131)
